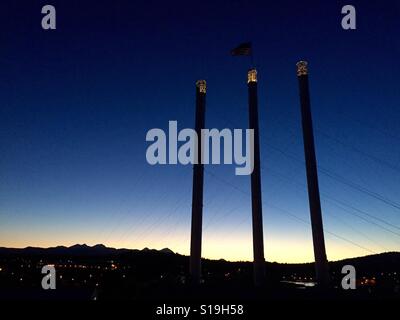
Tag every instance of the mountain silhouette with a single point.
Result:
(376, 262)
(77, 249)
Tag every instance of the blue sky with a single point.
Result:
(77, 103)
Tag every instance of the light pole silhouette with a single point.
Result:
(256, 201)
(321, 263)
(198, 182)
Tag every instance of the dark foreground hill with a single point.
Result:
(85, 272)
(389, 261)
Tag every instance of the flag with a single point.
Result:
(243, 49)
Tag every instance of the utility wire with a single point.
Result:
(287, 212)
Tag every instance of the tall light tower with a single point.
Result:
(198, 182)
(256, 201)
(321, 263)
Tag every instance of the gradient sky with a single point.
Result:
(76, 104)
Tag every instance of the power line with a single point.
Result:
(287, 212)
(355, 149)
(341, 179)
(372, 157)
(369, 221)
(364, 212)
(360, 188)
(356, 230)
(345, 181)
(341, 202)
(334, 201)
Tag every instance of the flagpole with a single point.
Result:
(252, 59)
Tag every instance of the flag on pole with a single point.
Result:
(243, 49)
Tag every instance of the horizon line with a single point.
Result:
(211, 259)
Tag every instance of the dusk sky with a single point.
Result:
(76, 104)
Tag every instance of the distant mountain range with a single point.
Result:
(383, 261)
(77, 249)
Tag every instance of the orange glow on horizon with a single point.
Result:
(223, 246)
